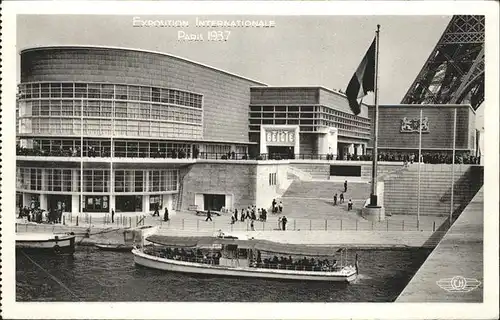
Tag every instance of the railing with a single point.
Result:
(186, 154)
(197, 225)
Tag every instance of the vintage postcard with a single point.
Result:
(296, 159)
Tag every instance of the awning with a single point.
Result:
(262, 245)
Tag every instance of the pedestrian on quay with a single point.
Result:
(279, 223)
(349, 205)
(209, 215)
(341, 199)
(112, 215)
(165, 215)
(335, 199)
(274, 205)
(252, 226)
(283, 222)
(345, 186)
(280, 206)
(236, 214)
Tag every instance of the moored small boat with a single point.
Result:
(46, 243)
(243, 258)
(114, 247)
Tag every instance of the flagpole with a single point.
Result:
(82, 202)
(419, 160)
(453, 163)
(373, 196)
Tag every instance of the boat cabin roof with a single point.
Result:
(256, 244)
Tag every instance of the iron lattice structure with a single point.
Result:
(454, 72)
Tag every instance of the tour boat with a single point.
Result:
(225, 256)
(130, 238)
(46, 243)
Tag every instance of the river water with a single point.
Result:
(93, 275)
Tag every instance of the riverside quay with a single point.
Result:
(103, 128)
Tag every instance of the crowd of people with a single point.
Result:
(190, 255)
(40, 216)
(90, 151)
(431, 158)
(213, 258)
(251, 213)
(297, 264)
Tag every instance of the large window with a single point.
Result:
(164, 112)
(95, 180)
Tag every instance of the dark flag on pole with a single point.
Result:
(363, 80)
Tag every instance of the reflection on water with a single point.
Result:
(93, 275)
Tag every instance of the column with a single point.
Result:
(297, 142)
(145, 203)
(359, 149)
(75, 204)
(263, 141)
(112, 203)
(43, 201)
(351, 149)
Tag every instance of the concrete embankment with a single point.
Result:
(350, 239)
(84, 235)
(453, 272)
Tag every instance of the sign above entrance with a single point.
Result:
(412, 125)
(280, 137)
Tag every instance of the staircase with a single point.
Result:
(314, 199)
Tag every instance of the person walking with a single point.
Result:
(283, 222)
(345, 186)
(280, 206)
(236, 214)
(165, 215)
(349, 205)
(335, 199)
(341, 199)
(112, 215)
(252, 226)
(279, 223)
(209, 215)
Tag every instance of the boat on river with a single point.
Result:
(130, 238)
(230, 256)
(50, 243)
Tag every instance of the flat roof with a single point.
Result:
(53, 47)
(422, 106)
(342, 94)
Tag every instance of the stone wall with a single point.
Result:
(234, 178)
(401, 191)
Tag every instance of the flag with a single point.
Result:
(363, 80)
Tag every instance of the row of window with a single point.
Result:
(309, 125)
(293, 110)
(97, 180)
(104, 109)
(109, 91)
(143, 149)
(102, 127)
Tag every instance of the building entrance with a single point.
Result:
(128, 203)
(214, 201)
(59, 202)
(280, 152)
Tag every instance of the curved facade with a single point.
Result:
(91, 108)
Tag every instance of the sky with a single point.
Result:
(299, 50)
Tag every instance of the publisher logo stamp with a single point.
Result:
(458, 284)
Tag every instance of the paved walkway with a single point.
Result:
(459, 254)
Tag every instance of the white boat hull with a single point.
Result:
(150, 261)
(55, 244)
